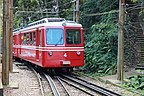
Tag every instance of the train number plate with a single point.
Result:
(66, 62)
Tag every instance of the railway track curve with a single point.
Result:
(87, 85)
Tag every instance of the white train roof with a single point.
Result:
(57, 22)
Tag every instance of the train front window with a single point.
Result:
(73, 36)
(54, 36)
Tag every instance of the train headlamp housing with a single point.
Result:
(50, 53)
(64, 24)
(78, 52)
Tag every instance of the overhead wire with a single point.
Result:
(133, 26)
(69, 2)
(103, 13)
(109, 5)
(112, 11)
(130, 9)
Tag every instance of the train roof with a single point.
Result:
(49, 22)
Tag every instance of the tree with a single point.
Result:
(100, 35)
(38, 9)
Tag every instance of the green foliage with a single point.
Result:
(37, 9)
(100, 31)
(65, 9)
(101, 50)
(136, 83)
(96, 6)
(101, 41)
(134, 1)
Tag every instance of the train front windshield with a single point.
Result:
(54, 36)
(73, 36)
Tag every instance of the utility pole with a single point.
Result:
(120, 57)
(77, 11)
(10, 34)
(56, 7)
(5, 53)
(74, 9)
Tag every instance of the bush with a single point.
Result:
(101, 49)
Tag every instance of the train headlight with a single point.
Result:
(50, 53)
(64, 24)
(78, 52)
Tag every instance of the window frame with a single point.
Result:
(62, 36)
(80, 34)
(34, 38)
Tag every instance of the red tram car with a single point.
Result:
(50, 43)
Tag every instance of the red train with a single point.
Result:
(50, 43)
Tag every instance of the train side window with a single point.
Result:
(34, 38)
(14, 42)
(73, 36)
(40, 42)
(24, 42)
(20, 40)
(27, 36)
(31, 38)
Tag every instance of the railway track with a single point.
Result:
(39, 80)
(58, 78)
(77, 87)
(51, 80)
(72, 80)
(52, 85)
(83, 83)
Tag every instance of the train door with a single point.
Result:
(19, 43)
(40, 44)
(37, 44)
(15, 43)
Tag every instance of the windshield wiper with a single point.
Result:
(59, 40)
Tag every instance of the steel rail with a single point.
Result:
(52, 85)
(58, 78)
(75, 76)
(39, 79)
(71, 84)
(91, 86)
